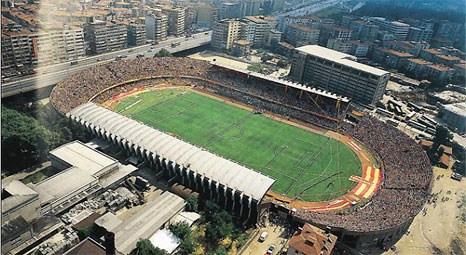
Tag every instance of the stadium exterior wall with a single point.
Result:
(365, 241)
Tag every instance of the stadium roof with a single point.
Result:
(285, 82)
(340, 58)
(204, 163)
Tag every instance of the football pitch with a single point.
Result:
(305, 165)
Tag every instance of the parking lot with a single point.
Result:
(276, 236)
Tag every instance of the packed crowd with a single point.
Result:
(80, 87)
(407, 177)
(407, 171)
(267, 96)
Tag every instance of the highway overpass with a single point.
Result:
(51, 75)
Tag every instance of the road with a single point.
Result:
(50, 75)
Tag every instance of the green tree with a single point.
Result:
(180, 230)
(442, 136)
(256, 67)
(219, 227)
(163, 53)
(192, 204)
(28, 141)
(145, 247)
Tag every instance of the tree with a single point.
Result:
(28, 141)
(192, 204)
(219, 227)
(163, 53)
(256, 67)
(145, 247)
(180, 230)
(442, 136)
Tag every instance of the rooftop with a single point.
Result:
(458, 108)
(81, 156)
(144, 224)
(86, 246)
(440, 68)
(303, 28)
(164, 239)
(312, 241)
(62, 184)
(15, 193)
(339, 57)
(419, 61)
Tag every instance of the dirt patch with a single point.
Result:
(439, 228)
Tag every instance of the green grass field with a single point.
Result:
(305, 165)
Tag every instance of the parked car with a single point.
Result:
(456, 176)
(263, 236)
(270, 249)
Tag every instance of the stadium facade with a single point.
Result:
(377, 222)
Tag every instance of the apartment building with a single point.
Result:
(417, 67)
(398, 29)
(364, 30)
(17, 50)
(340, 45)
(338, 72)
(176, 20)
(250, 7)
(258, 28)
(308, 21)
(229, 10)
(136, 33)
(359, 49)
(225, 32)
(333, 32)
(59, 45)
(156, 26)
(105, 36)
(390, 58)
(300, 35)
(419, 34)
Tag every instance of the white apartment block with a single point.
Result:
(259, 27)
(176, 19)
(156, 26)
(106, 36)
(225, 32)
(59, 45)
(340, 73)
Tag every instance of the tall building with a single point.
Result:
(156, 26)
(176, 20)
(256, 29)
(250, 7)
(333, 32)
(105, 36)
(363, 30)
(17, 50)
(340, 45)
(398, 29)
(229, 10)
(206, 15)
(300, 35)
(419, 34)
(59, 45)
(308, 21)
(136, 34)
(338, 72)
(225, 32)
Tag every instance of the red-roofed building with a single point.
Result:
(311, 241)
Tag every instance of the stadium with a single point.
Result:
(251, 142)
